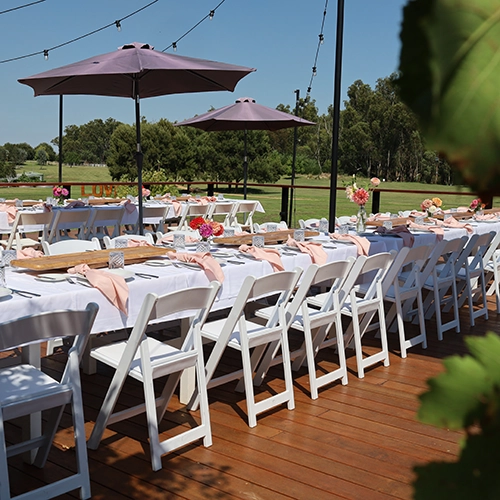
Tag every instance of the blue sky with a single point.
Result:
(277, 37)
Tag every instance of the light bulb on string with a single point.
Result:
(321, 38)
(211, 15)
(118, 25)
(314, 71)
(46, 55)
(174, 46)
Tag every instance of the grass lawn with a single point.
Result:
(308, 203)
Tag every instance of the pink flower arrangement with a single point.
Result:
(145, 192)
(360, 195)
(60, 192)
(431, 206)
(206, 228)
(476, 205)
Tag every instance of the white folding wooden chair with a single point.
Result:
(110, 242)
(25, 390)
(147, 359)
(280, 226)
(315, 323)
(70, 246)
(103, 218)
(491, 264)
(66, 219)
(26, 223)
(191, 210)
(240, 332)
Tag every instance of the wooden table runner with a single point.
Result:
(96, 259)
(273, 238)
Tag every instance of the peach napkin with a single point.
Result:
(11, 211)
(401, 231)
(312, 248)
(28, 253)
(378, 217)
(177, 207)
(486, 217)
(131, 242)
(453, 223)
(113, 287)
(438, 231)
(205, 260)
(129, 206)
(362, 244)
(416, 213)
(270, 254)
(169, 238)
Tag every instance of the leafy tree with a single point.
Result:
(51, 154)
(41, 156)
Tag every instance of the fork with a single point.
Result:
(75, 281)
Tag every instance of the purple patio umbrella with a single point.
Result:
(136, 70)
(245, 114)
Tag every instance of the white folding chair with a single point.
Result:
(368, 300)
(439, 280)
(309, 223)
(491, 264)
(224, 209)
(66, 219)
(257, 228)
(471, 280)
(25, 223)
(70, 246)
(314, 323)
(247, 209)
(103, 218)
(25, 390)
(240, 332)
(110, 242)
(147, 359)
(191, 210)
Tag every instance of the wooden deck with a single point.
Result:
(359, 441)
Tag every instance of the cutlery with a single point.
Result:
(76, 281)
(236, 262)
(146, 276)
(25, 293)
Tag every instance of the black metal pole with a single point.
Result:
(336, 113)
(60, 137)
(139, 156)
(245, 169)
(292, 182)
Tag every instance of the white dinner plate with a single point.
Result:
(126, 274)
(191, 265)
(5, 292)
(52, 277)
(222, 254)
(491, 221)
(158, 263)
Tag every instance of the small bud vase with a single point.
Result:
(361, 220)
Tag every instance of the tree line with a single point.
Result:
(378, 136)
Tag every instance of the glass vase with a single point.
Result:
(361, 220)
(203, 246)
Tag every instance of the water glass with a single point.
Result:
(2, 200)
(8, 256)
(179, 241)
(228, 232)
(447, 216)
(419, 220)
(344, 229)
(19, 203)
(220, 197)
(388, 224)
(299, 235)
(121, 243)
(3, 283)
(271, 227)
(116, 260)
(258, 241)
(323, 225)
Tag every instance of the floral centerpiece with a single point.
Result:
(360, 196)
(60, 193)
(145, 192)
(431, 206)
(476, 205)
(207, 229)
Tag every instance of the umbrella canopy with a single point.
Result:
(245, 114)
(137, 70)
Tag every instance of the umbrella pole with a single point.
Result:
(60, 136)
(138, 154)
(245, 169)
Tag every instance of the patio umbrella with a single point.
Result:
(245, 114)
(137, 70)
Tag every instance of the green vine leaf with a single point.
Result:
(449, 76)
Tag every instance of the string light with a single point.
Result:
(21, 7)
(46, 55)
(210, 16)
(321, 39)
(118, 25)
(45, 52)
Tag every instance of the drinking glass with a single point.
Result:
(121, 243)
(8, 256)
(3, 283)
(116, 260)
(179, 241)
(19, 203)
(388, 224)
(419, 220)
(323, 225)
(220, 197)
(344, 229)
(258, 241)
(299, 235)
(228, 232)
(272, 227)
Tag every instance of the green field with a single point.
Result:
(308, 203)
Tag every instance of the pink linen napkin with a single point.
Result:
(11, 211)
(401, 231)
(131, 242)
(129, 206)
(177, 207)
(241, 233)
(312, 248)
(169, 238)
(362, 244)
(75, 204)
(205, 260)
(438, 231)
(270, 254)
(486, 217)
(378, 217)
(28, 253)
(113, 287)
(453, 223)
(416, 213)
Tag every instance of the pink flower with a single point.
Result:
(64, 192)
(56, 191)
(426, 204)
(205, 230)
(145, 192)
(360, 196)
(375, 181)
